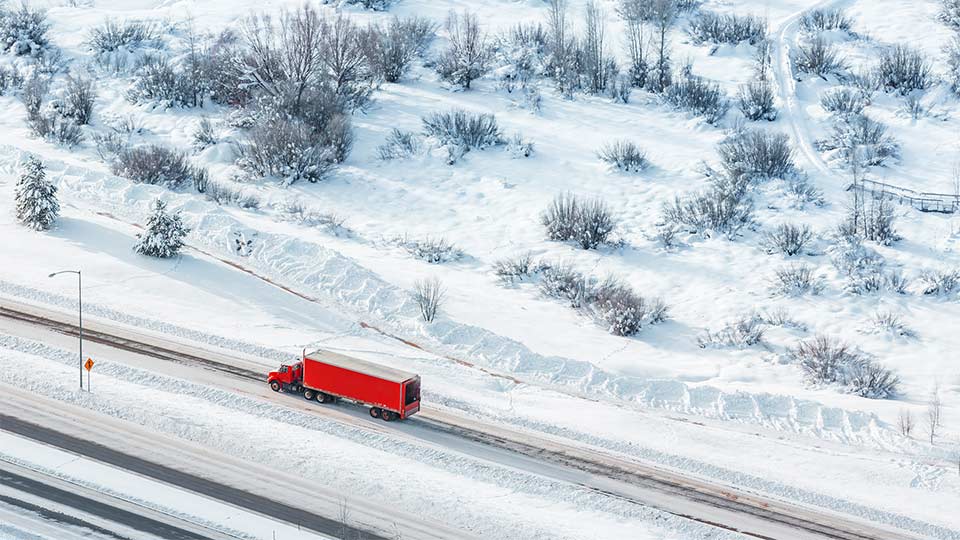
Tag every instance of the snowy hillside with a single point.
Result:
(695, 234)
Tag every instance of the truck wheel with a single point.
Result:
(322, 398)
(375, 412)
(388, 416)
(308, 395)
(275, 386)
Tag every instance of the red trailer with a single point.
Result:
(326, 376)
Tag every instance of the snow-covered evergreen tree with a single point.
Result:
(164, 235)
(36, 197)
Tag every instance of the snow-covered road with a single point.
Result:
(625, 480)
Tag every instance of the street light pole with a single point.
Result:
(79, 312)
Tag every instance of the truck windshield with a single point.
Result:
(413, 392)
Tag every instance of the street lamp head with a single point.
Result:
(53, 274)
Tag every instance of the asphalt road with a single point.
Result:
(180, 479)
(123, 517)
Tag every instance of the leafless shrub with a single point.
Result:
(624, 155)
(560, 280)
(429, 295)
(10, 78)
(159, 165)
(897, 282)
(666, 236)
(940, 282)
(934, 413)
(159, 81)
(372, 5)
(796, 280)
(400, 145)
(788, 238)
(891, 323)
(79, 98)
(516, 268)
(861, 141)
(871, 220)
(803, 191)
(913, 107)
(392, 48)
(619, 307)
(950, 13)
(782, 318)
(904, 70)
(744, 331)
(45, 120)
(589, 223)
(827, 360)
(854, 259)
(109, 144)
(469, 54)
(727, 28)
(519, 147)
(823, 19)
(285, 149)
(697, 95)
(905, 422)
(723, 209)
(460, 128)
(111, 36)
(23, 30)
(818, 57)
(205, 135)
(620, 89)
(757, 155)
(433, 250)
(843, 101)
(756, 101)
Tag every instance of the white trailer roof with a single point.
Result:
(361, 366)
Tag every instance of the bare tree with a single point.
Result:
(562, 64)
(663, 14)
(905, 422)
(934, 412)
(429, 294)
(344, 59)
(469, 55)
(285, 62)
(593, 44)
(763, 58)
(635, 14)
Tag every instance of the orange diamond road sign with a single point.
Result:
(88, 364)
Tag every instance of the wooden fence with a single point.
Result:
(923, 201)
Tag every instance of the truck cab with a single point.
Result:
(287, 377)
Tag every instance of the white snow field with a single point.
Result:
(744, 415)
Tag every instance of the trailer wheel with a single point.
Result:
(388, 416)
(308, 395)
(322, 398)
(375, 412)
(275, 386)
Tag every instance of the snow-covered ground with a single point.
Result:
(744, 416)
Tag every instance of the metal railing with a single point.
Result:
(921, 200)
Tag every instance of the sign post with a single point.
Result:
(88, 365)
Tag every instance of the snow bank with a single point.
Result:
(311, 269)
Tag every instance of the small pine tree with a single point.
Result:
(164, 235)
(36, 197)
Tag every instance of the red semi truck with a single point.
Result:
(326, 376)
